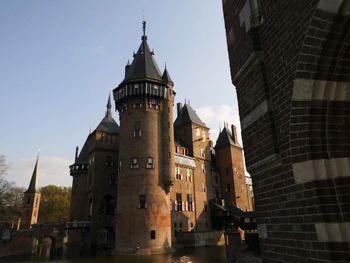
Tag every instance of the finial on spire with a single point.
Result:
(144, 28)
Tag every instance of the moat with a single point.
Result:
(186, 255)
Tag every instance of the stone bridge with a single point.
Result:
(40, 240)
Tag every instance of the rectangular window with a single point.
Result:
(178, 173)
(135, 163)
(178, 202)
(137, 129)
(113, 179)
(189, 203)
(153, 234)
(150, 163)
(203, 169)
(142, 202)
(189, 175)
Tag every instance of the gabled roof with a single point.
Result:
(33, 188)
(225, 138)
(188, 115)
(144, 66)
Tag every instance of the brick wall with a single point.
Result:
(292, 83)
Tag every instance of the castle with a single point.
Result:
(138, 184)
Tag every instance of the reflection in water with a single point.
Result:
(186, 255)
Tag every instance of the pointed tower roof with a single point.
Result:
(33, 188)
(108, 124)
(188, 115)
(225, 138)
(83, 157)
(144, 66)
(166, 77)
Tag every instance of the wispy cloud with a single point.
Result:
(214, 118)
(52, 170)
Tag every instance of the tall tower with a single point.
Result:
(145, 100)
(31, 200)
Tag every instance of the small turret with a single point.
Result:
(166, 77)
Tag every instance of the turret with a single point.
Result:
(145, 100)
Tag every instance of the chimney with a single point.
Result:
(76, 153)
(179, 108)
(234, 133)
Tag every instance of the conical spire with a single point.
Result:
(143, 66)
(33, 188)
(166, 77)
(109, 107)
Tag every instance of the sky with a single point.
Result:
(60, 59)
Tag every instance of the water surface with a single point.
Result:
(185, 255)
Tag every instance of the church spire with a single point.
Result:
(33, 188)
(109, 107)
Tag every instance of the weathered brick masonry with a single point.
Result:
(290, 63)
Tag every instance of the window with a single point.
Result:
(137, 129)
(204, 188)
(175, 224)
(153, 103)
(135, 163)
(142, 202)
(178, 173)
(150, 163)
(176, 149)
(178, 202)
(189, 175)
(203, 169)
(180, 224)
(109, 161)
(189, 203)
(153, 234)
(113, 179)
(228, 188)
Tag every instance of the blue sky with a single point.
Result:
(59, 60)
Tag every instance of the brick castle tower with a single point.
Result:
(145, 101)
(31, 201)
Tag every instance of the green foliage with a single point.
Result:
(54, 204)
